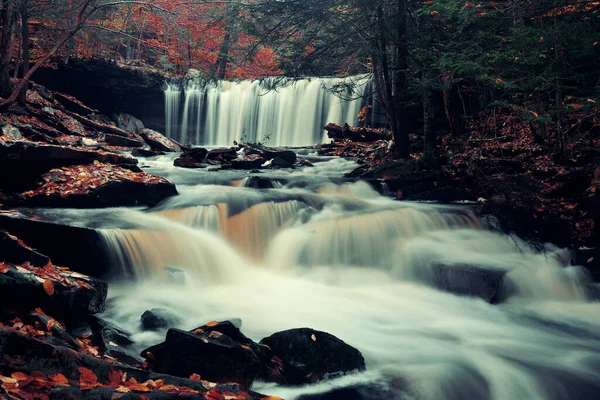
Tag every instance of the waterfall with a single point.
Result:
(274, 111)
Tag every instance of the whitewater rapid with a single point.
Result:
(322, 252)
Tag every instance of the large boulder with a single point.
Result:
(27, 160)
(218, 351)
(97, 185)
(193, 158)
(158, 318)
(59, 290)
(466, 280)
(128, 122)
(159, 142)
(115, 140)
(309, 355)
(14, 250)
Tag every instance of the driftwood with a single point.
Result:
(356, 134)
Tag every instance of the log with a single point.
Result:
(356, 134)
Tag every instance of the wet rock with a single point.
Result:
(309, 356)
(133, 141)
(280, 163)
(23, 353)
(261, 182)
(288, 156)
(56, 290)
(252, 163)
(11, 132)
(159, 142)
(137, 152)
(193, 158)
(222, 155)
(72, 104)
(158, 318)
(219, 352)
(64, 122)
(95, 186)
(466, 280)
(15, 251)
(128, 122)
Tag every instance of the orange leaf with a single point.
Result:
(50, 324)
(48, 287)
(4, 268)
(19, 376)
(59, 379)
(114, 377)
(87, 377)
(593, 190)
(589, 260)
(195, 377)
(138, 387)
(212, 323)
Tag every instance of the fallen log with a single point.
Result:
(356, 133)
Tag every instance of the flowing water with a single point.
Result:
(274, 111)
(318, 251)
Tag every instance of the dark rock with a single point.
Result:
(17, 110)
(28, 161)
(219, 352)
(193, 158)
(45, 93)
(184, 162)
(309, 356)
(159, 142)
(222, 155)
(158, 318)
(133, 141)
(589, 258)
(10, 131)
(280, 163)
(260, 182)
(146, 153)
(128, 122)
(467, 280)
(248, 164)
(15, 251)
(23, 288)
(286, 155)
(359, 392)
(49, 359)
(72, 104)
(33, 134)
(58, 241)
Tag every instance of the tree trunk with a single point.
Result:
(25, 51)
(6, 45)
(429, 133)
(221, 65)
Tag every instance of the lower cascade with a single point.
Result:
(275, 111)
(439, 304)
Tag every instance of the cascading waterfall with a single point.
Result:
(273, 111)
(341, 258)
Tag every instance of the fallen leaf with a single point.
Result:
(48, 287)
(589, 260)
(313, 337)
(4, 268)
(87, 377)
(195, 377)
(212, 323)
(19, 376)
(59, 379)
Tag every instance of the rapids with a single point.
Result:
(319, 251)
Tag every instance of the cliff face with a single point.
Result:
(110, 88)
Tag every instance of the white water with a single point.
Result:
(340, 258)
(292, 114)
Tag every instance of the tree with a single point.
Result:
(8, 18)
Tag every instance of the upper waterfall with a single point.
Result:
(275, 111)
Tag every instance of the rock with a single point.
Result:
(260, 182)
(218, 352)
(193, 158)
(253, 163)
(309, 356)
(95, 186)
(137, 152)
(285, 155)
(467, 280)
(15, 251)
(159, 142)
(55, 290)
(158, 318)
(280, 163)
(72, 104)
(28, 161)
(222, 155)
(367, 391)
(59, 242)
(128, 122)
(114, 140)
(11, 132)
(23, 353)
(64, 122)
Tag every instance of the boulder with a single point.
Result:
(159, 142)
(158, 318)
(137, 152)
(466, 280)
(277, 162)
(218, 351)
(97, 185)
(222, 155)
(128, 122)
(57, 290)
(193, 158)
(15, 251)
(287, 156)
(26, 354)
(309, 355)
(250, 163)
(133, 141)
(29, 160)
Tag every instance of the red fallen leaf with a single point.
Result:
(87, 377)
(142, 397)
(9, 383)
(589, 260)
(212, 323)
(59, 379)
(4, 268)
(198, 331)
(137, 387)
(114, 378)
(19, 376)
(48, 287)
(39, 375)
(195, 377)
(149, 356)
(50, 324)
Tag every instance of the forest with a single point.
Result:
(391, 199)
